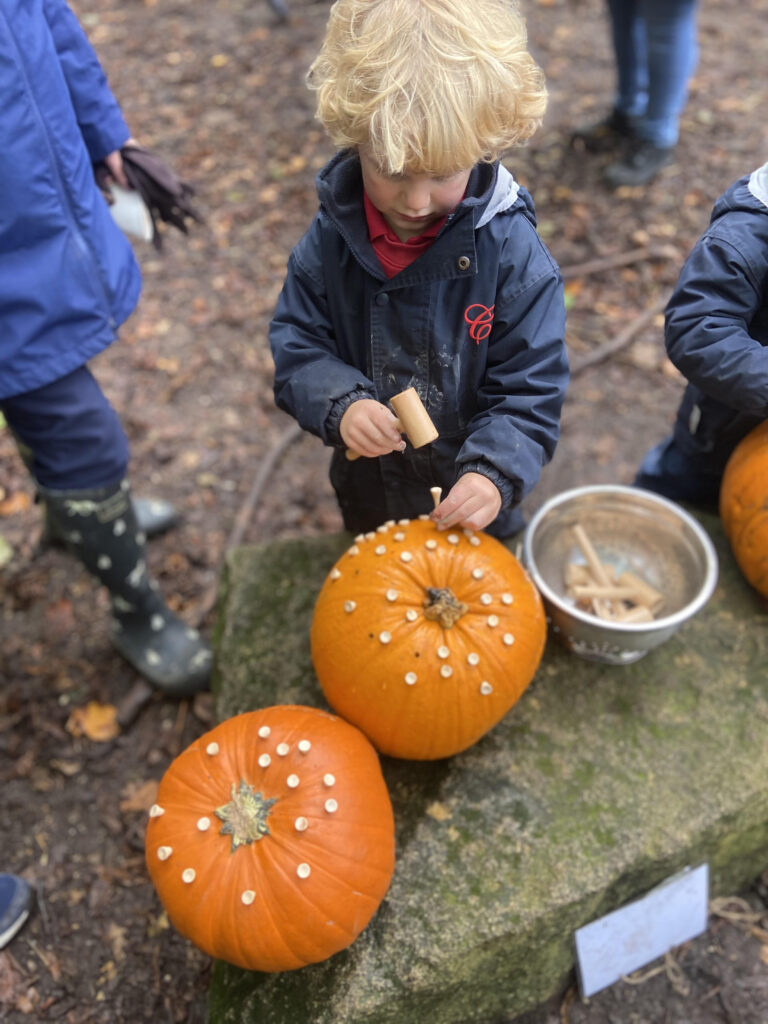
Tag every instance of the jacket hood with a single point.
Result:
(505, 194)
(749, 193)
(490, 191)
(758, 184)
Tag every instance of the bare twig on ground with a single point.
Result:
(620, 259)
(243, 518)
(133, 703)
(610, 348)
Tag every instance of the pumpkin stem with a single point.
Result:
(245, 816)
(441, 604)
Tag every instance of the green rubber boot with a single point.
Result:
(99, 527)
(153, 515)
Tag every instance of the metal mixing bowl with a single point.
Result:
(631, 530)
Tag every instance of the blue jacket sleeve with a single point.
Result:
(98, 113)
(707, 324)
(515, 433)
(312, 382)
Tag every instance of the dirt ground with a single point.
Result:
(218, 88)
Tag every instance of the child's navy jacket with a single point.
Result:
(476, 325)
(717, 324)
(67, 273)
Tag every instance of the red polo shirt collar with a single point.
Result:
(395, 255)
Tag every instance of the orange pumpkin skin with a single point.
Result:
(744, 506)
(310, 885)
(416, 686)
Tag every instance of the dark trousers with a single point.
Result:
(72, 435)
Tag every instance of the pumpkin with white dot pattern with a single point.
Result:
(425, 638)
(271, 844)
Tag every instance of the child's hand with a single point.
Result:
(474, 502)
(369, 428)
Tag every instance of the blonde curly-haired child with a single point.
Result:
(423, 267)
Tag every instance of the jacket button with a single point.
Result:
(463, 263)
(382, 299)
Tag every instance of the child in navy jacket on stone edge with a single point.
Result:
(68, 279)
(716, 334)
(423, 267)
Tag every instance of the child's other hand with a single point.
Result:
(474, 502)
(370, 429)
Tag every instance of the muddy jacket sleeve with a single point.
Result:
(516, 430)
(708, 319)
(98, 113)
(312, 381)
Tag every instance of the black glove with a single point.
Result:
(166, 196)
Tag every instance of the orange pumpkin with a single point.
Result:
(271, 843)
(744, 506)
(424, 638)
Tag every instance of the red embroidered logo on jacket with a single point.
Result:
(480, 320)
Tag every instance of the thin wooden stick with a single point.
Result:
(603, 352)
(620, 259)
(291, 434)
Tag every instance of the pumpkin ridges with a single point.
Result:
(334, 834)
(275, 949)
(188, 917)
(318, 903)
(211, 912)
(348, 649)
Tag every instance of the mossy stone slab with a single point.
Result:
(601, 782)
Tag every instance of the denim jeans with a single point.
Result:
(656, 50)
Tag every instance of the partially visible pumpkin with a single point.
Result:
(424, 638)
(744, 506)
(271, 844)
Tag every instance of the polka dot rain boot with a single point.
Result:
(154, 516)
(99, 527)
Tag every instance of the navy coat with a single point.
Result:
(476, 325)
(68, 276)
(717, 325)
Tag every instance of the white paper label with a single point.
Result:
(638, 933)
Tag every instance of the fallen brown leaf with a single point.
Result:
(139, 796)
(95, 721)
(20, 501)
(116, 936)
(439, 811)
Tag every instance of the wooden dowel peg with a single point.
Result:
(594, 563)
(436, 493)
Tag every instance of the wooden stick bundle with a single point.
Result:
(595, 588)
